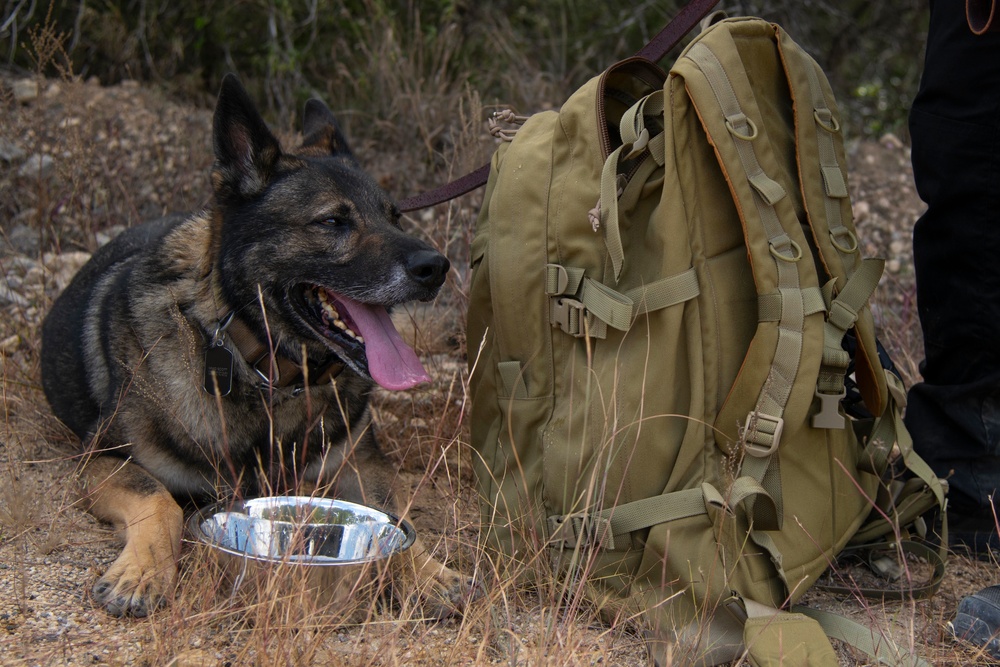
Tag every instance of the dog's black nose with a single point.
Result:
(428, 268)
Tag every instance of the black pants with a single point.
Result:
(954, 414)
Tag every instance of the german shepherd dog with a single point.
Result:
(233, 350)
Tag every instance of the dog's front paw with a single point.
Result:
(435, 589)
(132, 587)
(446, 595)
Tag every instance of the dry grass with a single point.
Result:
(127, 153)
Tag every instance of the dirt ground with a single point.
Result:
(79, 162)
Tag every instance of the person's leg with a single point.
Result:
(954, 414)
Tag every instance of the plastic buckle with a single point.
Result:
(569, 530)
(762, 433)
(829, 410)
(568, 314)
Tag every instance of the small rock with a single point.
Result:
(104, 236)
(37, 165)
(65, 266)
(890, 140)
(10, 152)
(8, 296)
(193, 658)
(862, 210)
(25, 90)
(897, 248)
(893, 266)
(24, 240)
(9, 344)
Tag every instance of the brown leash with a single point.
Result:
(685, 20)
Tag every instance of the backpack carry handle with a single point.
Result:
(685, 20)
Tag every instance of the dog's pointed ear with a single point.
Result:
(246, 152)
(321, 130)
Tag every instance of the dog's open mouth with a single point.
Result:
(364, 336)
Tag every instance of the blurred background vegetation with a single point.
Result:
(385, 63)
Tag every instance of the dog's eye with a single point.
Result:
(335, 221)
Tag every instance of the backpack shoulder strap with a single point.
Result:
(716, 80)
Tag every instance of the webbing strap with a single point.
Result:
(889, 430)
(633, 131)
(766, 193)
(635, 139)
(513, 378)
(899, 591)
(665, 292)
(611, 307)
(769, 305)
(575, 297)
(834, 183)
(863, 638)
(841, 317)
(900, 505)
(608, 529)
(654, 510)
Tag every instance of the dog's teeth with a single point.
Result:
(339, 323)
(328, 308)
(360, 339)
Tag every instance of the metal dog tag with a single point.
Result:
(218, 370)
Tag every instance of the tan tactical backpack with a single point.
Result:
(664, 275)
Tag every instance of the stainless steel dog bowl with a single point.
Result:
(302, 530)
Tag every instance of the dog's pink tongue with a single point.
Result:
(391, 362)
